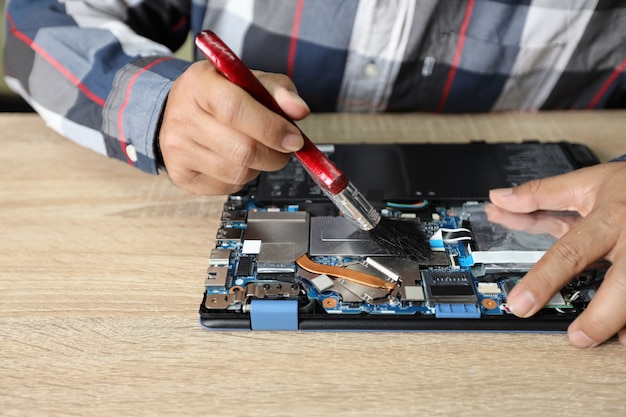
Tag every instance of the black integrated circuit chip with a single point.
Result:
(245, 266)
(452, 287)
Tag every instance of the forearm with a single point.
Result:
(89, 73)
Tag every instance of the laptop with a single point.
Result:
(286, 259)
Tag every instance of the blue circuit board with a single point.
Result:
(276, 254)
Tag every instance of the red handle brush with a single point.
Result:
(325, 174)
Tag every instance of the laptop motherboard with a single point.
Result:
(286, 259)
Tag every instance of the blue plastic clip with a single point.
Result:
(274, 314)
(457, 311)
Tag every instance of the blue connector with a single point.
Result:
(457, 311)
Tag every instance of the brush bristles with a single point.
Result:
(401, 238)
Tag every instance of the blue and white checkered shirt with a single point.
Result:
(99, 71)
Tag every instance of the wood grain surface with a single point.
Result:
(102, 270)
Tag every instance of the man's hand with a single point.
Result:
(599, 194)
(214, 137)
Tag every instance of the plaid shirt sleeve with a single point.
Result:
(97, 74)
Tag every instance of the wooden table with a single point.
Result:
(102, 270)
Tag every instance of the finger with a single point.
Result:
(239, 149)
(534, 223)
(567, 257)
(564, 192)
(201, 171)
(232, 106)
(285, 93)
(606, 313)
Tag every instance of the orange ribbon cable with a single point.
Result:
(348, 274)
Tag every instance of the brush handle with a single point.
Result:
(326, 175)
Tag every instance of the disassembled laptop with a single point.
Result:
(285, 259)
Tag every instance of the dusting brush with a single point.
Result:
(396, 237)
